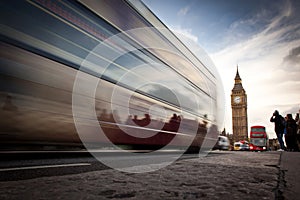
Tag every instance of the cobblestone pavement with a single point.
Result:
(220, 175)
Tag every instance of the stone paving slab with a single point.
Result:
(220, 175)
(290, 171)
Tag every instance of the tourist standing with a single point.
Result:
(291, 133)
(279, 128)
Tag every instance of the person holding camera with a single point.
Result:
(279, 128)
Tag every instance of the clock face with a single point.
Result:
(237, 99)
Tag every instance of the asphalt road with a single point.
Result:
(217, 175)
(28, 165)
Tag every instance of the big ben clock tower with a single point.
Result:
(239, 110)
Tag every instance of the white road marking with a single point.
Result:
(44, 166)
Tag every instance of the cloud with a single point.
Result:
(293, 58)
(268, 65)
(183, 11)
(264, 21)
(286, 11)
(266, 46)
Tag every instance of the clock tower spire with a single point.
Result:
(238, 80)
(239, 110)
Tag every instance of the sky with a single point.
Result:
(262, 37)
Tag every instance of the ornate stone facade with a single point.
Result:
(239, 110)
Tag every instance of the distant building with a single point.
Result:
(239, 110)
(223, 133)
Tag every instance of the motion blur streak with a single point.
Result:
(45, 44)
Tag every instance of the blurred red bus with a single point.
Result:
(259, 140)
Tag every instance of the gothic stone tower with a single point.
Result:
(239, 110)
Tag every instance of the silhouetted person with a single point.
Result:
(297, 119)
(291, 131)
(174, 123)
(284, 130)
(179, 119)
(279, 127)
(174, 118)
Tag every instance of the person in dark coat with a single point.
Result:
(279, 127)
(297, 119)
(291, 133)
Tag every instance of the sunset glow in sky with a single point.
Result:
(262, 37)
